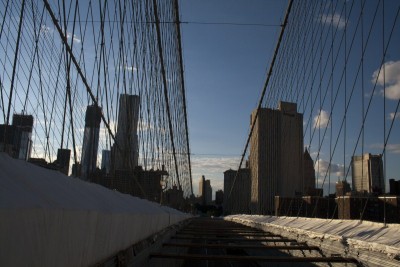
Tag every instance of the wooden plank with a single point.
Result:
(252, 258)
(231, 246)
(235, 239)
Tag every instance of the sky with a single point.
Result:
(225, 69)
(226, 66)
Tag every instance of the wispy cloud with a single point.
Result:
(212, 167)
(391, 148)
(74, 37)
(334, 20)
(128, 68)
(321, 120)
(389, 74)
(322, 167)
(393, 116)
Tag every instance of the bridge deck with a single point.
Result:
(212, 242)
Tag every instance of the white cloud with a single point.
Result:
(128, 68)
(391, 148)
(321, 120)
(333, 19)
(75, 38)
(389, 74)
(392, 116)
(213, 169)
(322, 166)
(45, 29)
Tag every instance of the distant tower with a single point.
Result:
(276, 156)
(309, 173)
(23, 135)
(63, 157)
(367, 174)
(237, 193)
(106, 161)
(126, 149)
(205, 191)
(90, 141)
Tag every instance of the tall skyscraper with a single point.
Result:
(63, 157)
(106, 161)
(126, 150)
(308, 174)
(23, 135)
(237, 194)
(90, 141)
(367, 174)
(205, 191)
(276, 156)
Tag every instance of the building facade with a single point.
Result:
(237, 193)
(205, 191)
(90, 141)
(126, 149)
(276, 156)
(367, 174)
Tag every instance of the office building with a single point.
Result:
(126, 148)
(308, 174)
(205, 191)
(276, 156)
(237, 193)
(106, 161)
(342, 188)
(219, 197)
(63, 158)
(90, 141)
(367, 174)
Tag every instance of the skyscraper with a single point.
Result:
(106, 161)
(308, 174)
(90, 141)
(126, 150)
(237, 193)
(23, 135)
(205, 191)
(367, 174)
(276, 156)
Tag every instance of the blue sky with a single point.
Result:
(225, 69)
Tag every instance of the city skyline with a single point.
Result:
(224, 78)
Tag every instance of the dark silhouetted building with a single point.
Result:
(63, 158)
(205, 191)
(126, 149)
(367, 174)
(90, 141)
(219, 197)
(276, 156)
(342, 187)
(16, 139)
(308, 174)
(106, 161)
(237, 193)
(394, 187)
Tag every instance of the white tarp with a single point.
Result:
(366, 235)
(50, 219)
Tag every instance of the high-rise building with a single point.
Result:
(308, 174)
(90, 141)
(205, 191)
(23, 135)
(219, 197)
(62, 162)
(106, 161)
(237, 193)
(367, 174)
(276, 156)
(342, 187)
(126, 149)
